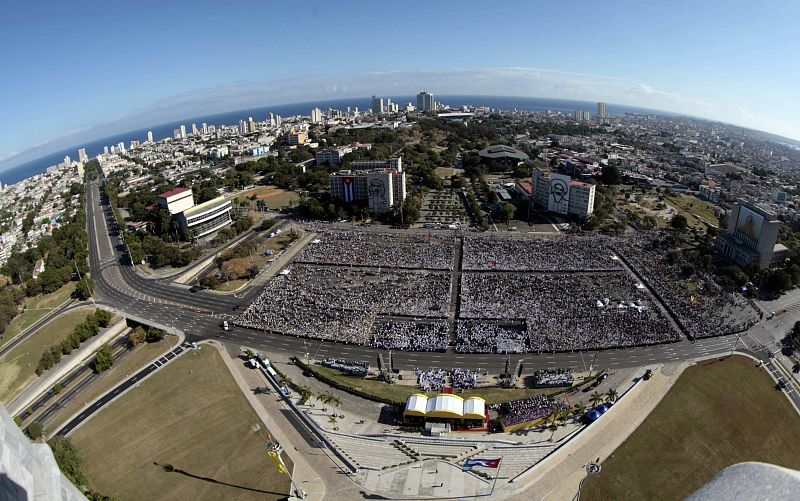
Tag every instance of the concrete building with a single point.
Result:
(391, 163)
(426, 101)
(205, 218)
(751, 236)
(602, 110)
(332, 156)
(561, 195)
(176, 201)
(82, 157)
(149, 136)
(377, 105)
(381, 188)
(316, 116)
(295, 138)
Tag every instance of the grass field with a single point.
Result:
(274, 197)
(718, 413)
(36, 308)
(18, 365)
(696, 211)
(400, 393)
(129, 364)
(190, 415)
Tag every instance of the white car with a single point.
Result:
(225, 325)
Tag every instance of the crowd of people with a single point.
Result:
(409, 250)
(407, 335)
(568, 311)
(464, 379)
(697, 302)
(341, 304)
(527, 409)
(555, 253)
(432, 379)
(551, 378)
(354, 367)
(486, 337)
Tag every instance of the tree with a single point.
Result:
(595, 398)
(679, 222)
(332, 420)
(155, 335)
(777, 281)
(647, 374)
(103, 317)
(578, 410)
(305, 394)
(553, 424)
(612, 396)
(69, 459)
(508, 210)
(610, 175)
(35, 430)
(103, 359)
(83, 290)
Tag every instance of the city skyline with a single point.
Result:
(113, 85)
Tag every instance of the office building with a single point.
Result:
(67, 161)
(194, 129)
(183, 132)
(602, 110)
(105, 150)
(560, 194)
(82, 157)
(391, 163)
(381, 188)
(176, 200)
(425, 101)
(780, 196)
(295, 138)
(149, 136)
(121, 148)
(205, 218)
(204, 128)
(582, 117)
(751, 236)
(377, 105)
(316, 116)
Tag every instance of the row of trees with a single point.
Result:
(141, 335)
(80, 333)
(559, 418)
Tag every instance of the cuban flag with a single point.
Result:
(348, 189)
(485, 463)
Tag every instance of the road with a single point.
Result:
(37, 324)
(200, 316)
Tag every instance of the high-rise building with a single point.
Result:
(82, 155)
(105, 150)
(67, 161)
(602, 110)
(316, 115)
(183, 132)
(382, 188)
(149, 136)
(562, 195)
(271, 120)
(251, 125)
(121, 148)
(194, 129)
(751, 236)
(204, 128)
(176, 133)
(582, 117)
(377, 105)
(426, 102)
(242, 127)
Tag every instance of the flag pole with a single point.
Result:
(496, 475)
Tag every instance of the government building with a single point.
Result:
(751, 236)
(196, 220)
(561, 195)
(380, 183)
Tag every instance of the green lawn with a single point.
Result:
(18, 365)
(36, 308)
(718, 413)
(193, 416)
(274, 197)
(134, 360)
(399, 393)
(692, 207)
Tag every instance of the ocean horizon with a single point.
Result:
(93, 148)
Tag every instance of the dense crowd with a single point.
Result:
(485, 337)
(699, 304)
(432, 379)
(409, 250)
(407, 335)
(354, 367)
(528, 409)
(568, 311)
(464, 379)
(556, 253)
(545, 378)
(341, 304)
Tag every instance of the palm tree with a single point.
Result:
(553, 424)
(305, 394)
(578, 410)
(612, 396)
(596, 398)
(325, 398)
(336, 403)
(332, 421)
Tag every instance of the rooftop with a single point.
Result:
(210, 204)
(173, 192)
(502, 151)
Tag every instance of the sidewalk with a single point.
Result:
(305, 475)
(559, 475)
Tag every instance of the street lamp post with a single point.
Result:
(274, 450)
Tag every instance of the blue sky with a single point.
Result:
(76, 71)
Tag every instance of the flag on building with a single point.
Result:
(484, 463)
(349, 189)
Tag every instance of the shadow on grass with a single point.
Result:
(171, 469)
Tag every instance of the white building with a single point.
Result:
(381, 188)
(149, 136)
(206, 218)
(316, 116)
(377, 105)
(602, 110)
(391, 163)
(332, 156)
(82, 157)
(562, 195)
(176, 201)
